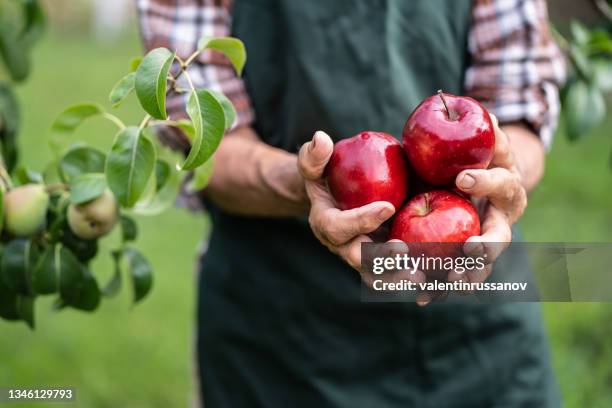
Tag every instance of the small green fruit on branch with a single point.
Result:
(25, 209)
(94, 219)
(85, 188)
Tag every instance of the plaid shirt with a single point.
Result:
(516, 68)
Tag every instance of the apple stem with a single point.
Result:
(52, 188)
(451, 114)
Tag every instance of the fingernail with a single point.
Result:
(312, 145)
(467, 181)
(423, 301)
(313, 142)
(384, 214)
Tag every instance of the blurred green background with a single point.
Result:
(141, 357)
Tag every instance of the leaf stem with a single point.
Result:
(192, 57)
(567, 48)
(188, 77)
(114, 119)
(560, 39)
(51, 188)
(168, 122)
(144, 122)
(604, 7)
(4, 176)
(184, 64)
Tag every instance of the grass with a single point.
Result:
(140, 357)
(573, 204)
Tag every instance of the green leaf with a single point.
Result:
(8, 303)
(9, 125)
(72, 117)
(87, 187)
(164, 198)
(129, 165)
(25, 309)
(81, 160)
(23, 175)
(141, 273)
(201, 176)
(70, 274)
(113, 286)
(18, 259)
(88, 296)
(58, 270)
(233, 49)
(9, 108)
(582, 63)
(122, 89)
(228, 109)
(1, 211)
(603, 75)
(584, 108)
(14, 51)
(51, 173)
(151, 81)
(129, 229)
(208, 118)
(148, 193)
(34, 21)
(47, 270)
(84, 249)
(580, 33)
(187, 127)
(162, 172)
(600, 42)
(135, 63)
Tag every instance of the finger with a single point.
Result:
(351, 252)
(503, 155)
(426, 297)
(314, 155)
(495, 237)
(318, 195)
(338, 227)
(479, 275)
(423, 298)
(496, 184)
(494, 120)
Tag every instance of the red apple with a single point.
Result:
(437, 216)
(447, 134)
(365, 168)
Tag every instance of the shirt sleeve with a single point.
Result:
(516, 68)
(178, 25)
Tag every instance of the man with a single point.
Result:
(281, 323)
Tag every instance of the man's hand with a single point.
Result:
(501, 200)
(340, 231)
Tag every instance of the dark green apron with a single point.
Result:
(281, 323)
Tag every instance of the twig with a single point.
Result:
(192, 57)
(115, 120)
(604, 7)
(144, 122)
(51, 188)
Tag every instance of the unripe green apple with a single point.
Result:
(95, 218)
(25, 209)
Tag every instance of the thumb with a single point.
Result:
(314, 155)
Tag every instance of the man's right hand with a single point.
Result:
(340, 231)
